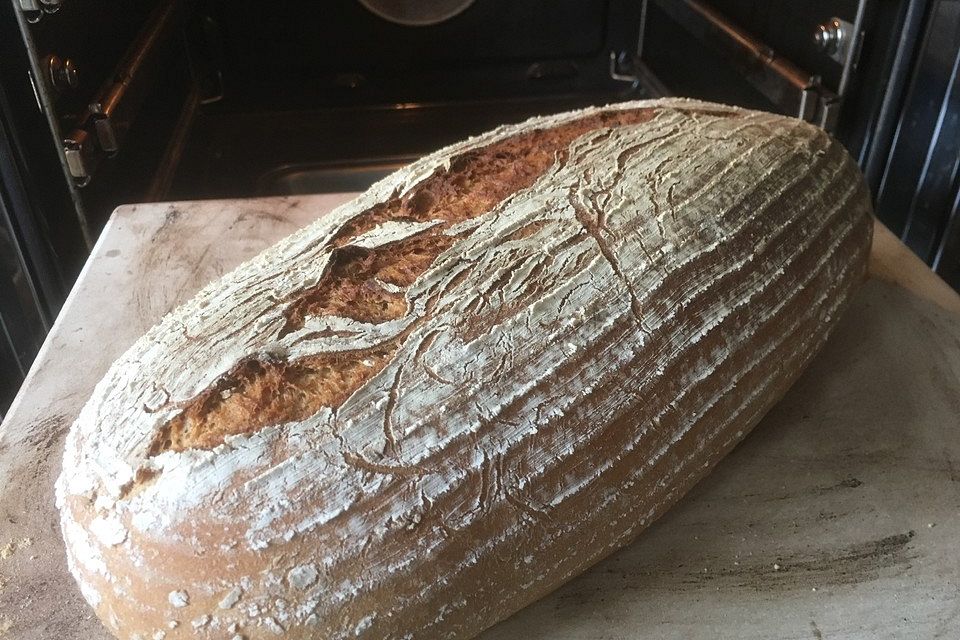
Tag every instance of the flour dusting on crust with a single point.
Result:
(572, 363)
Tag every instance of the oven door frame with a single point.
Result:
(44, 243)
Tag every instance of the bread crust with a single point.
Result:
(569, 363)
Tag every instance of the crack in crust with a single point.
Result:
(368, 285)
(260, 392)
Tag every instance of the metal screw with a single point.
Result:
(31, 10)
(830, 35)
(63, 73)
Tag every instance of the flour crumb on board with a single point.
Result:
(364, 624)
(303, 576)
(13, 546)
(5, 625)
(271, 623)
(232, 598)
(179, 599)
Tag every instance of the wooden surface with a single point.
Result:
(836, 518)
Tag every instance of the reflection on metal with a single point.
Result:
(919, 194)
(854, 46)
(629, 67)
(61, 73)
(33, 10)
(416, 13)
(643, 28)
(833, 38)
(625, 67)
(327, 177)
(808, 104)
(829, 114)
(618, 70)
(78, 152)
(876, 151)
(779, 80)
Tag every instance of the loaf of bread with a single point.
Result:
(458, 391)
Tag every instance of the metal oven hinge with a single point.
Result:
(101, 129)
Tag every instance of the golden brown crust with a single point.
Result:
(356, 283)
(570, 356)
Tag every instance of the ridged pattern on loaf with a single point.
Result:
(564, 371)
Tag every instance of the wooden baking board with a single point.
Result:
(837, 518)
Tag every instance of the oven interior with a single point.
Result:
(181, 100)
(152, 100)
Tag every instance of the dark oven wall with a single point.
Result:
(308, 54)
(916, 172)
(330, 96)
